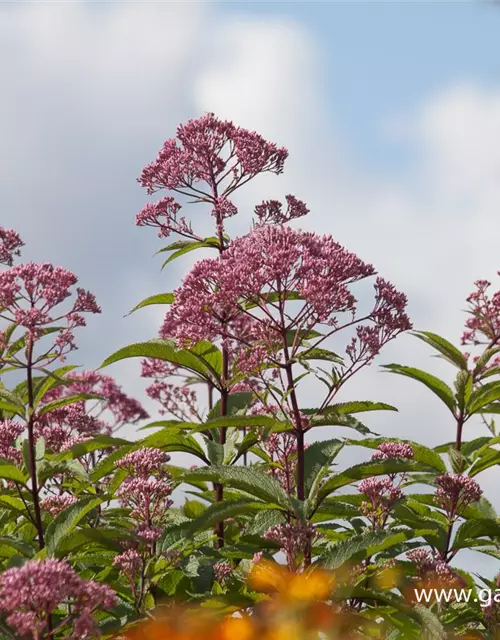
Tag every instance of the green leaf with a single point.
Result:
(463, 387)
(420, 452)
(23, 547)
(263, 521)
(167, 351)
(173, 440)
(193, 509)
(368, 469)
(317, 460)
(341, 552)
(483, 396)
(10, 472)
(64, 402)
(237, 422)
(235, 402)
(159, 298)
(334, 419)
(49, 468)
(246, 479)
(219, 511)
(66, 522)
(471, 529)
(11, 402)
(483, 360)
(209, 355)
(356, 406)
(95, 444)
(52, 379)
(489, 459)
(437, 386)
(188, 246)
(320, 354)
(447, 350)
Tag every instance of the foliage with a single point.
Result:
(266, 532)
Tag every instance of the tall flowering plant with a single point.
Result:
(251, 324)
(267, 532)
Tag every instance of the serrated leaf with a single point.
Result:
(366, 470)
(247, 479)
(188, 246)
(317, 460)
(165, 350)
(420, 452)
(343, 551)
(67, 400)
(448, 351)
(219, 511)
(484, 396)
(193, 509)
(66, 522)
(355, 406)
(10, 472)
(436, 385)
(237, 422)
(159, 298)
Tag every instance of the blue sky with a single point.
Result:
(382, 58)
(391, 113)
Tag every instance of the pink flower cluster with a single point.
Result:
(280, 261)
(55, 504)
(382, 495)
(483, 327)
(124, 409)
(222, 571)
(271, 211)
(66, 426)
(456, 492)
(389, 318)
(215, 153)
(10, 245)
(293, 538)
(431, 565)
(282, 449)
(210, 151)
(181, 402)
(129, 563)
(146, 491)
(9, 431)
(388, 450)
(143, 462)
(30, 292)
(154, 368)
(163, 216)
(31, 593)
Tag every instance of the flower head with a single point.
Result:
(143, 462)
(9, 431)
(483, 326)
(55, 504)
(456, 492)
(29, 594)
(10, 245)
(30, 295)
(397, 450)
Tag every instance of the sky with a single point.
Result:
(390, 112)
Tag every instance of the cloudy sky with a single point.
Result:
(390, 111)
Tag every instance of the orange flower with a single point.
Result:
(314, 585)
(267, 576)
(236, 629)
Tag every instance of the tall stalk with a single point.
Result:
(32, 447)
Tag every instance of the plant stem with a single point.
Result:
(32, 447)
